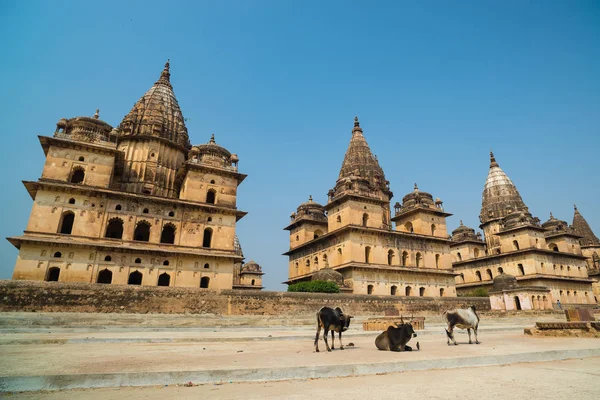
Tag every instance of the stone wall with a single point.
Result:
(84, 297)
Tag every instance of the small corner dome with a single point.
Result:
(554, 223)
(505, 281)
(328, 275)
(211, 148)
(84, 128)
(251, 266)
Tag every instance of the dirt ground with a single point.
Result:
(559, 380)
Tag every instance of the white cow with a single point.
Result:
(463, 319)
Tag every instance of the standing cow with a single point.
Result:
(396, 338)
(334, 320)
(463, 319)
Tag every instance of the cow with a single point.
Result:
(463, 319)
(334, 320)
(395, 338)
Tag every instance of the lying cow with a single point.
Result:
(463, 319)
(395, 338)
(334, 320)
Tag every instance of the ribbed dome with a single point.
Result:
(500, 196)
(329, 275)
(85, 129)
(211, 148)
(554, 224)
(360, 172)
(582, 228)
(251, 266)
(310, 210)
(505, 281)
(417, 198)
(157, 114)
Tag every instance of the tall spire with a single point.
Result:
(500, 196)
(157, 114)
(582, 228)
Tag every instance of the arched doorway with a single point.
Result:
(53, 274)
(105, 276)
(408, 291)
(164, 279)
(517, 303)
(135, 278)
(204, 282)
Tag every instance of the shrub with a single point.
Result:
(314, 287)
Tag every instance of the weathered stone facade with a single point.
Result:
(547, 255)
(136, 204)
(353, 234)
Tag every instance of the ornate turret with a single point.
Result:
(214, 155)
(84, 129)
(360, 173)
(500, 196)
(582, 228)
(157, 114)
(463, 233)
(555, 225)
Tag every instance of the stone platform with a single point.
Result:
(68, 357)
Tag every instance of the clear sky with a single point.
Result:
(435, 84)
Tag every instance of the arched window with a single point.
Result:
(418, 258)
(365, 219)
(166, 262)
(145, 211)
(105, 276)
(489, 274)
(367, 254)
(408, 227)
(339, 256)
(316, 260)
(478, 275)
(108, 258)
(164, 279)
(393, 290)
(432, 229)
(459, 256)
(71, 201)
(138, 261)
(114, 229)
(206, 266)
(142, 231)
(58, 254)
(212, 181)
(390, 257)
(441, 292)
(204, 282)
(66, 223)
(517, 303)
(297, 238)
(339, 218)
(421, 291)
(521, 269)
(370, 289)
(252, 283)
(408, 291)
(77, 175)
(209, 219)
(308, 262)
(210, 196)
(500, 270)
(135, 278)
(53, 274)
(81, 158)
(516, 245)
(437, 260)
(404, 258)
(475, 253)
(318, 233)
(171, 213)
(118, 207)
(168, 234)
(207, 237)
(553, 247)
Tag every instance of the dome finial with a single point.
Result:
(97, 115)
(575, 207)
(212, 139)
(165, 75)
(461, 224)
(551, 216)
(493, 162)
(310, 198)
(357, 127)
(416, 188)
(356, 123)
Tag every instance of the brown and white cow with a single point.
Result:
(334, 320)
(463, 319)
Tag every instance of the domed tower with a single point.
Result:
(466, 244)
(154, 141)
(82, 151)
(361, 188)
(590, 244)
(307, 223)
(420, 214)
(500, 199)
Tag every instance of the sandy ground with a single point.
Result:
(560, 380)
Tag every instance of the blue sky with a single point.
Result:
(435, 84)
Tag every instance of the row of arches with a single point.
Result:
(114, 230)
(105, 276)
(476, 254)
(408, 291)
(119, 207)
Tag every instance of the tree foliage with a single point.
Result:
(314, 287)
